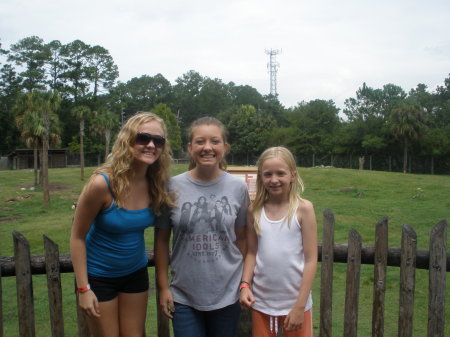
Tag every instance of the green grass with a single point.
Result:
(358, 199)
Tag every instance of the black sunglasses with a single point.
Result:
(145, 138)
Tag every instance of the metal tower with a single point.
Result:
(272, 67)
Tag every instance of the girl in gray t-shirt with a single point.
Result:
(208, 239)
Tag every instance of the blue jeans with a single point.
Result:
(189, 322)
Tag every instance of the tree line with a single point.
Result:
(69, 96)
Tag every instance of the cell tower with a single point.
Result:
(272, 67)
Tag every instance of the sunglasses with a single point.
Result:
(145, 138)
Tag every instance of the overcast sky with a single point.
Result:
(328, 47)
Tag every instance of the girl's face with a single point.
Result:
(149, 153)
(207, 147)
(276, 177)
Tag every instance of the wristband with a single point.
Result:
(244, 285)
(84, 289)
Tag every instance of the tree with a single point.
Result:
(104, 123)
(406, 124)
(100, 69)
(163, 111)
(55, 65)
(34, 112)
(75, 57)
(31, 54)
(81, 113)
(249, 131)
(214, 97)
(186, 92)
(10, 88)
(313, 125)
(246, 95)
(48, 102)
(142, 93)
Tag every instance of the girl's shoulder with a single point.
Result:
(98, 182)
(305, 206)
(304, 203)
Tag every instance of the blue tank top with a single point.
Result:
(115, 243)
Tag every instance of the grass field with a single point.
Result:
(358, 199)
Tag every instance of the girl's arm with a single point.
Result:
(307, 219)
(162, 237)
(241, 241)
(92, 200)
(246, 294)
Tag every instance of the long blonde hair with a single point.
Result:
(119, 169)
(208, 121)
(295, 191)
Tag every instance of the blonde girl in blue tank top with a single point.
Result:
(107, 245)
(281, 259)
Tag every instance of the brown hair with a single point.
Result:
(208, 121)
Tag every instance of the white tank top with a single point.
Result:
(279, 266)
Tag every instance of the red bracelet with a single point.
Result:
(244, 285)
(84, 289)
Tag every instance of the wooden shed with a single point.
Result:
(23, 159)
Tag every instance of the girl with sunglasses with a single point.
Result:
(107, 246)
(208, 244)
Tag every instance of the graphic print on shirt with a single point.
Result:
(203, 227)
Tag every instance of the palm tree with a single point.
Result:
(38, 125)
(31, 129)
(102, 124)
(48, 102)
(407, 124)
(81, 113)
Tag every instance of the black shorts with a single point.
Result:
(107, 288)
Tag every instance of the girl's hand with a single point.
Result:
(294, 320)
(246, 298)
(166, 302)
(89, 304)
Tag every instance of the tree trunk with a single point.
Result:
(82, 149)
(432, 164)
(107, 141)
(35, 165)
(40, 166)
(405, 155)
(44, 164)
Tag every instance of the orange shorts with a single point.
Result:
(266, 326)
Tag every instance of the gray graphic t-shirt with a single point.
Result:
(206, 264)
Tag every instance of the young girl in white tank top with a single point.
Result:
(281, 259)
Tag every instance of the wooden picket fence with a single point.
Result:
(437, 260)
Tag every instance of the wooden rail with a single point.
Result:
(437, 260)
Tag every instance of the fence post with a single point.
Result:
(1, 302)
(407, 281)
(83, 329)
(326, 280)
(352, 287)
(436, 288)
(162, 320)
(54, 287)
(24, 285)
(245, 324)
(379, 277)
